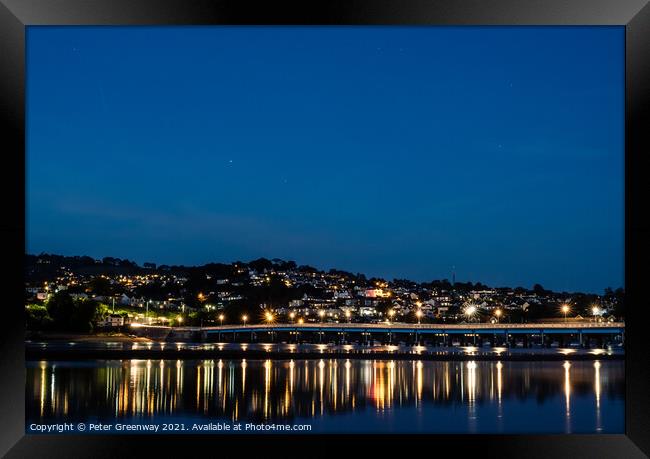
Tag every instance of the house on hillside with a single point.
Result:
(112, 321)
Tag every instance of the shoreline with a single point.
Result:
(32, 354)
(88, 338)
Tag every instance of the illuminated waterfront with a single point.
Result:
(337, 395)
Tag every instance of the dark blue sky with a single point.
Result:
(393, 151)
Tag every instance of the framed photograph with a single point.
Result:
(272, 225)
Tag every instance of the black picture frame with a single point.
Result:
(15, 15)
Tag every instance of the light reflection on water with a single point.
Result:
(333, 348)
(338, 394)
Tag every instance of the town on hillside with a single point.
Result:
(80, 293)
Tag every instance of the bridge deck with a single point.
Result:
(548, 328)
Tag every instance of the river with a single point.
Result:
(334, 395)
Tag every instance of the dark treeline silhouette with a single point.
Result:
(45, 266)
(63, 313)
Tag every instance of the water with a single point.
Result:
(335, 395)
(326, 348)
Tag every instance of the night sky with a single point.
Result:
(392, 151)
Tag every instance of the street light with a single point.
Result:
(321, 314)
(418, 314)
(565, 310)
(292, 315)
(180, 320)
(301, 321)
(348, 314)
(595, 311)
(269, 316)
(470, 311)
(221, 317)
(391, 313)
(244, 318)
(497, 313)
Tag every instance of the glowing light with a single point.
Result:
(565, 310)
(566, 351)
(418, 314)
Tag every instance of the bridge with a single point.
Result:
(495, 333)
